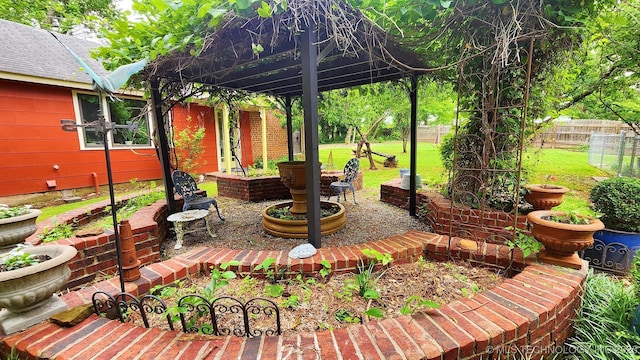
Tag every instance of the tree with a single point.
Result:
(61, 15)
(605, 84)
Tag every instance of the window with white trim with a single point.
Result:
(118, 111)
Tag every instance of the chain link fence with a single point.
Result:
(617, 154)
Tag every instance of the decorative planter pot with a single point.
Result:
(15, 229)
(293, 176)
(561, 241)
(544, 196)
(613, 250)
(26, 288)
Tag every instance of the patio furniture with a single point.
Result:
(346, 183)
(187, 188)
(180, 218)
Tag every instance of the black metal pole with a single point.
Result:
(310, 101)
(114, 216)
(413, 95)
(163, 145)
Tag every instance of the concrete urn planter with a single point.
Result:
(15, 229)
(26, 288)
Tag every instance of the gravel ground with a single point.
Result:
(370, 220)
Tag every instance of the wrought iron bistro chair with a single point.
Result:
(186, 187)
(346, 183)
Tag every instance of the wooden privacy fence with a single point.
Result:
(561, 133)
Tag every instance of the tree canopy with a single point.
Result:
(61, 15)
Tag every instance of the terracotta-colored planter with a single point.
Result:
(15, 229)
(544, 196)
(25, 288)
(298, 229)
(293, 175)
(561, 241)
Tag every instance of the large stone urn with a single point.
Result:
(293, 176)
(561, 241)
(25, 288)
(15, 229)
(27, 294)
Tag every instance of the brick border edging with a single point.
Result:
(534, 309)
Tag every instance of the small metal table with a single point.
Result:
(180, 218)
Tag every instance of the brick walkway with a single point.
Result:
(532, 310)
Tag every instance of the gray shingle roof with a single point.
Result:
(34, 52)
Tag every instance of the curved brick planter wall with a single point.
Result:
(466, 222)
(534, 309)
(98, 253)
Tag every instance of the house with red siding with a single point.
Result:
(42, 84)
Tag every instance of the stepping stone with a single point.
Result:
(302, 251)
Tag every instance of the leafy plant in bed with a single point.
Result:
(328, 301)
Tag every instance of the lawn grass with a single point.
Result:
(563, 167)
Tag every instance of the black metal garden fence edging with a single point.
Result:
(612, 257)
(222, 316)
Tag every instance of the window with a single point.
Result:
(119, 112)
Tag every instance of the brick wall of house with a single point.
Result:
(276, 136)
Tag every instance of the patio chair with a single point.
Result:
(346, 183)
(186, 187)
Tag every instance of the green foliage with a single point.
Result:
(345, 316)
(91, 14)
(219, 278)
(57, 232)
(415, 302)
(326, 268)
(528, 244)
(291, 302)
(18, 258)
(617, 200)
(8, 212)
(188, 146)
(570, 217)
(364, 279)
(603, 323)
(274, 290)
(635, 274)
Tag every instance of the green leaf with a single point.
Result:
(371, 294)
(264, 10)
(375, 312)
(243, 4)
(204, 10)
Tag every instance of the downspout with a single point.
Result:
(96, 185)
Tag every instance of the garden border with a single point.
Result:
(531, 311)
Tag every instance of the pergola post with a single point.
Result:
(310, 104)
(156, 99)
(287, 108)
(225, 138)
(263, 122)
(413, 96)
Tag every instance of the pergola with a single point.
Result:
(313, 46)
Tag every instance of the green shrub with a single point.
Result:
(618, 202)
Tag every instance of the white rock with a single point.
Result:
(302, 251)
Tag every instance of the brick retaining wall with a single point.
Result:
(97, 254)
(262, 188)
(532, 310)
(464, 221)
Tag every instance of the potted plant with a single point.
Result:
(30, 275)
(544, 196)
(562, 234)
(617, 201)
(16, 224)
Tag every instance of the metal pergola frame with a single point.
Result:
(303, 64)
